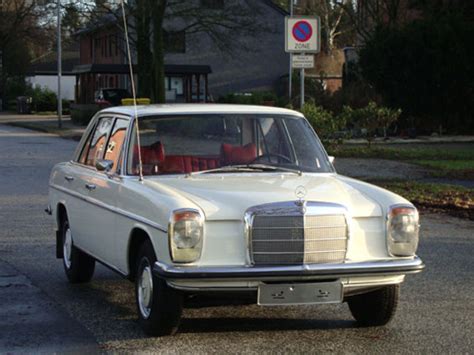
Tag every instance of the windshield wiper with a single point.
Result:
(245, 168)
(273, 168)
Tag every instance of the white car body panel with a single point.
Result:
(123, 204)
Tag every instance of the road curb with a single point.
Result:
(67, 134)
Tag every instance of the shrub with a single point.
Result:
(323, 121)
(82, 114)
(411, 68)
(371, 119)
(44, 99)
(253, 98)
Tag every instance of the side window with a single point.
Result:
(116, 141)
(95, 149)
(85, 148)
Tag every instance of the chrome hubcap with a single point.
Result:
(145, 291)
(67, 248)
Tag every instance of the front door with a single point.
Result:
(95, 219)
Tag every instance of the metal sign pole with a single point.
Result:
(290, 75)
(60, 100)
(302, 88)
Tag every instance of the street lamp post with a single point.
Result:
(60, 101)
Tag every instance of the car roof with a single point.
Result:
(176, 109)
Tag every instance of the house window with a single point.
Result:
(176, 83)
(175, 42)
(106, 46)
(212, 4)
(116, 45)
(96, 48)
(111, 41)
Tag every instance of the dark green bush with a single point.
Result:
(44, 99)
(254, 98)
(426, 67)
(324, 122)
(81, 114)
(372, 119)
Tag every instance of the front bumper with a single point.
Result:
(390, 267)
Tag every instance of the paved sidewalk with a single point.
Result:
(30, 322)
(48, 124)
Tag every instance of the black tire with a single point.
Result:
(375, 308)
(79, 267)
(160, 313)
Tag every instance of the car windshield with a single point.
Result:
(190, 144)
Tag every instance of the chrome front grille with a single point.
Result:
(304, 236)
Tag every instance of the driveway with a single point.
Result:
(379, 169)
(436, 312)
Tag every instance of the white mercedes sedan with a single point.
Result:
(190, 199)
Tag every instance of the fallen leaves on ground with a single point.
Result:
(456, 200)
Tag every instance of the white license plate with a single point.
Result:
(300, 293)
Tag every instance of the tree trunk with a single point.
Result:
(2, 79)
(158, 84)
(144, 55)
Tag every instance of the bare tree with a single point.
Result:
(150, 20)
(372, 14)
(334, 19)
(20, 20)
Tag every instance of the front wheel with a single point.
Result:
(159, 306)
(375, 308)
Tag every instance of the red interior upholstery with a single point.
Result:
(152, 156)
(238, 154)
(154, 160)
(183, 164)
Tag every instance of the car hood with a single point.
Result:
(228, 196)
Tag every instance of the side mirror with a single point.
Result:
(104, 165)
(331, 159)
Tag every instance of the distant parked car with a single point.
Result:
(235, 199)
(111, 97)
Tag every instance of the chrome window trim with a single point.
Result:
(293, 208)
(105, 206)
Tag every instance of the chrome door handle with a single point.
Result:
(69, 178)
(90, 187)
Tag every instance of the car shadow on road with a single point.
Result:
(252, 324)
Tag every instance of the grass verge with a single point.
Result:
(455, 200)
(455, 161)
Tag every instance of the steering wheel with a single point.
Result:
(269, 157)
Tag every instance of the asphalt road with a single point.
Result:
(40, 311)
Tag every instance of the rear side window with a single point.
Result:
(95, 146)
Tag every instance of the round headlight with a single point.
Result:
(185, 235)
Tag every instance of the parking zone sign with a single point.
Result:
(302, 34)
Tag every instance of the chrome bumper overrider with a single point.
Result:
(307, 271)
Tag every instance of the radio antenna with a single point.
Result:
(134, 93)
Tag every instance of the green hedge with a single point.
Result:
(81, 114)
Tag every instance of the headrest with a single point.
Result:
(238, 154)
